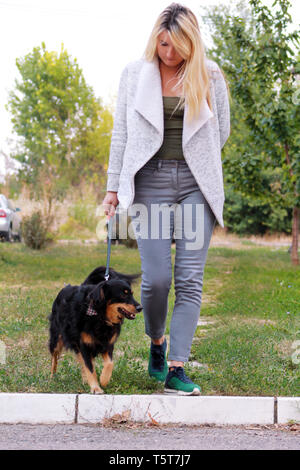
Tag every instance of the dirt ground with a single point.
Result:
(223, 239)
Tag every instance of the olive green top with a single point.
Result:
(173, 124)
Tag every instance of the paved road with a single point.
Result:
(59, 437)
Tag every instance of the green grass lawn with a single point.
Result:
(251, 304)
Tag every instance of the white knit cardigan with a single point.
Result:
(138, 133)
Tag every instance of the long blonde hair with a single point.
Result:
(193, 76)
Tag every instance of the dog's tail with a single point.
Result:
(97, 276)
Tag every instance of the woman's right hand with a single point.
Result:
(110, 203)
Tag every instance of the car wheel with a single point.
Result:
(9, 235)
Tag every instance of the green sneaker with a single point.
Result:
(178, 383)
(158, 366)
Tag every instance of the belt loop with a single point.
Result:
(159, 164)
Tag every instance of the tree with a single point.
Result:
(256, 54)
(64, 130)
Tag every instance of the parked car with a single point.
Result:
(10, 221)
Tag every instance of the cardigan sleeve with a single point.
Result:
(119, 136)
(223, 107)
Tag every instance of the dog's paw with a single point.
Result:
(96, 390)
(104, 382)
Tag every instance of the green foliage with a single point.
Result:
(84, 213)
(82, 219)
(34, 231)
(70, 229)
(12, 186)
(261, 62)
(246, 215)
(64, 129)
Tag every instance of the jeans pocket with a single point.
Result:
(146, 171)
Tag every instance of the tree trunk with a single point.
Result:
(295, 223)
(295, 236)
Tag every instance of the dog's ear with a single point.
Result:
(97, 295)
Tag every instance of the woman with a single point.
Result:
(171, 121)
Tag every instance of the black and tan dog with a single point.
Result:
(87, 319)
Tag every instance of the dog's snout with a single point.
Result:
(139, 308)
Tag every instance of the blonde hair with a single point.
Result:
(193, 76)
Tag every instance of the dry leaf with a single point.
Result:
(124, 417)
(153, 422)
(121, 418)
(295, 427)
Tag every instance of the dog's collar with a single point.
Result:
(90, 310)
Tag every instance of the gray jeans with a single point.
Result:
(170, 182)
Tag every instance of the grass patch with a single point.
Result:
(251, 295)
(244, 359)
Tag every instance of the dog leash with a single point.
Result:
(110, 221)
(91, 312)
(106, 275)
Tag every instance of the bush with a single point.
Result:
(245, 216)
(84, 214)
(72, 229)
(34, 231)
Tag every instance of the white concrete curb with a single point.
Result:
(178, 409)
(288, 409)
(36, 408)
(45, 408)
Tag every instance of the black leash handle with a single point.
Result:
(110, 222)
